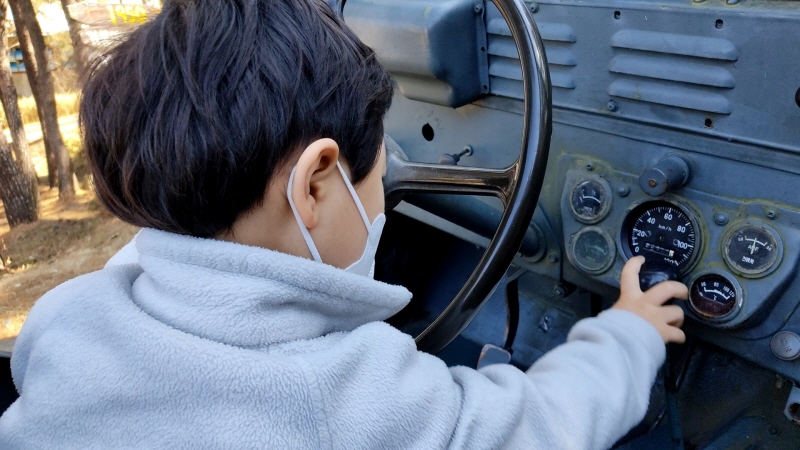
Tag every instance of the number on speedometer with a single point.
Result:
(662, 233)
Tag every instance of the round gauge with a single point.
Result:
(662, 232)
(592, 250)
(753, 249)
(714, 296)
(590, 201)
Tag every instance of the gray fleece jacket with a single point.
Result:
(211, 345)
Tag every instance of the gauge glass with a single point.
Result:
(752, 249)
(713, 296)
(662, 233)
(590, 201)
(593, 251)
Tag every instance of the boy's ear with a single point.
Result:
(314, 170)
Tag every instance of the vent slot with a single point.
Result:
(676, 44)
(672, 69)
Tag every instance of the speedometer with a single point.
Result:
(662, 232)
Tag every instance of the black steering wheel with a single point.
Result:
(517, 186)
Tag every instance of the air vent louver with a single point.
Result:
(674, 70)
(505, 75)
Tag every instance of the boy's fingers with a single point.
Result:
(673, 314)
(629, 281)
(665, 291)
(675, 335)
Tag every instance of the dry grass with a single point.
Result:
(69, 240)
(66, 104)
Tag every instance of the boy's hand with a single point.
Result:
(650, 305)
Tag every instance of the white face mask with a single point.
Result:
(366, 264)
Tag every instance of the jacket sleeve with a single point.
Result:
(378, 391)
(584, 394)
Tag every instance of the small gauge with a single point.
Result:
(753, 249)
(714, 296)
(592, 250)
(590, 201)
(663, 232)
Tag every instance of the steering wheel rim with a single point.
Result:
(517, 186)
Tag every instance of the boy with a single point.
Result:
(235, 131)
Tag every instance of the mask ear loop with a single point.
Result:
(309, 242)
(355, 196)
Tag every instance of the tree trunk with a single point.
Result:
(27, 25)
(8, 96)
(81, 52)
(32, 72)
(20, 206)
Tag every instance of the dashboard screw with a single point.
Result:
(478, 8)
(721, 219)
(534, 7)
(559, 291)
(590, 166)
(612, 106)
(772, 214)
(623, 191)
(553, 258)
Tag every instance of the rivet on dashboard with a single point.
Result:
(534, 7)
(721, 219)
(652, 183)
(623, 191)
(478, 8)
(590, 166)
(772, 214)
(553, 258)
(612, 106)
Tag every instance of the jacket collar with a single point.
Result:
(250, 296)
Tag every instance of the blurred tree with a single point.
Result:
(8, 96)
(37, 66)
(80, 54)
(20, 206)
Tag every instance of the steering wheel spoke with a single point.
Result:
(405, 176)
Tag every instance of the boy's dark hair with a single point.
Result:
(185, 121)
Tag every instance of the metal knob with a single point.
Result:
(650, 276)
(786, 345)
(671, 172)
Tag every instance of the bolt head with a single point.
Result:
(553, 258)
(612, 106)
(478, 8)
(772, 214)
(623, 191)
(721, 219)
(590, 166)
(534, 7)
